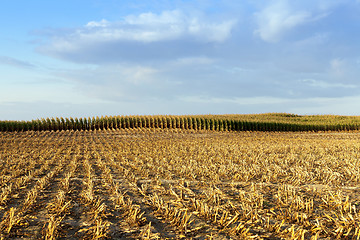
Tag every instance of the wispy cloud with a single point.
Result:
(337, 67)
(236, 100)
(15, 62)
(347, 105)
(150, 34)
(323, 84)
(279, 17)
(195, 61)
(314, 40)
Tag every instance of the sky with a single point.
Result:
(84, 58)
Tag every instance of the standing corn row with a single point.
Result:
(214, 123)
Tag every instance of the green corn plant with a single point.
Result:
(61, 124)
(161, 122)
(135, 122)
(122, 122)
(126, 122)
(106, 124)
(172, 122)
(66, 124)
(97, 123)
(92, 123)
(42, 124)
(192, 123)
(132, 121)
(178, 122)
(110, 122)
(81, 123)
(186, 123)
(113, 123)
(72, 123)
(211, 124)
(117, 122)
(143, 122)
(47, 124)
(85, 123)
(156, 119)
(57, 123)
(201, 124)
(166, 122)
(102, 123)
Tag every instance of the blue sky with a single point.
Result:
(109, 57)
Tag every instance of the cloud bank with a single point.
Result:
(175, 55)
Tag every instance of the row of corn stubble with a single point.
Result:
(151, 183)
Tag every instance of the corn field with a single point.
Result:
(157, 180)
(245, 122)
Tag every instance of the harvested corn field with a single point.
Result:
(149, 183)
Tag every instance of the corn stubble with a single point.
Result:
(147, 183)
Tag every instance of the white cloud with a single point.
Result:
(167, 35)
(337, 67)
(195, 60)
(235, 100)
(173, 24)
(278, 18)
(15, 62)
(119, 82)
(169, 25)
(347, 105)
(323, 84)
(54, 92)
(316, 39)
(139, 75)
(146, 28)
(311, 105)
(102, 23)
(326, 5)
